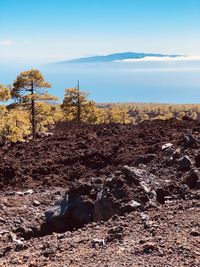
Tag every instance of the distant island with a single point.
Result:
(116, 57)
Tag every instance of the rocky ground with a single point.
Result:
(103, 195)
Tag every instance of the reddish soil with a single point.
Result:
(83, 158)
(80, 152)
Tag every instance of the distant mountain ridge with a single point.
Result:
(116, 56)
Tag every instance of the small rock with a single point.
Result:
(184, 163)
(177, 154)
(28, 192)
(18, 242)
(43, 134)
(2, 220)
(192, 178)
(131, 206)
(189, 140)
(149, 247)
(194, 232)
(196, 129)
(146, 220)
(118, 173)
(166, 146)
(36, 203)
(99, 242)
(169, 152)
(197, 160)
(134, 204)
(60, 236)
(114, 230)
(198, 184)
(27, 232)
(3, 232)
(145, 187)
(144, 159)
(115, 233)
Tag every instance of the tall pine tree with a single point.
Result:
(29, 88)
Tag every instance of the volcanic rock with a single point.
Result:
(144, 159)
(71, 212)
(184, 163)
(36, 203)
(197, 160)
(166, 146)
(189, 140)
(192, 178)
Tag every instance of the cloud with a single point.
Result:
(178, 58)
(162, 69)
(6, 42)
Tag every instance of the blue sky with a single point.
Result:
(60, 29)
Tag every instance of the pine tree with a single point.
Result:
(75, 105)
(47, 115)
(28, 88)
(15, 125)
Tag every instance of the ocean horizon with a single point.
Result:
(175, 81)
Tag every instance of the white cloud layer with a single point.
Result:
(178, 58)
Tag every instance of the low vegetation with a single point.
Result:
(27, 108)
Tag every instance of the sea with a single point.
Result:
(165, 81)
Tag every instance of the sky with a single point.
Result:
(51, 30)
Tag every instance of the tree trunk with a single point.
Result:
(78, 106)
(32, 112)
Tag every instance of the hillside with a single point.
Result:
(132, 196)
(116, 57)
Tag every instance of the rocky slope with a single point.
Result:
(102, 195)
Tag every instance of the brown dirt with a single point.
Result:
(82, 158)
(80, 152)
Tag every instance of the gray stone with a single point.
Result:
(166, 146)
(146, 220)
(169, 152)
(194, 232)
(36, 203)
(149, 247)
(43, 134)
(71, 212)
(2, 220)
(28, 192)
(17, 241)
(103, 206)
(198, 184)
(131, 206)
(134, 204)
(177, 154)
(192, 178)
(189, 140)
(99, 242)
(197, 160)
(144, 159)
(184, 163)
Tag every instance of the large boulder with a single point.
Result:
(71, 212)
(126, 190)
(133, 189)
